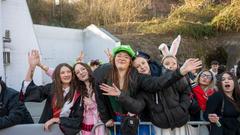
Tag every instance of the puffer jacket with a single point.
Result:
(170, 109)
(137, 83)
(166, 109)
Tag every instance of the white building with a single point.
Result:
(56, 45)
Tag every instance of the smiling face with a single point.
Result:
(65, 75)
(227, 83)
(170, 63)
(81, 72)
(122, 61)
(205, 78)
(141, 65)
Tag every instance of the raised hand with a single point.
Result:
(80, 57)
(109, 54)
(110, 90)
(33, 58)
(189, 65)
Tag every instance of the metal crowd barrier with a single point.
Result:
(188, 127)
(31, 129)
(37, 129)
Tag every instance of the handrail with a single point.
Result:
(30, 129)
(37, 129)
(199, 123)
(96, 126)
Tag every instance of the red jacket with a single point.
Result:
(202, 96)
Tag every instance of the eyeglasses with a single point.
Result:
(209, 77)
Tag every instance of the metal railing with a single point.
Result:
(31, 129)
(188, 127)
(37, 129)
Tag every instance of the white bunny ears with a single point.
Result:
(174, 47)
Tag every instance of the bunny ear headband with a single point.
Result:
(173, 50)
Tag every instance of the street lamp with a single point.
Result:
(57, 2)
(57, 9)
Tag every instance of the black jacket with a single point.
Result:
(166, 109)
(12, 111)
(69, 125)
(226, 110)
(137, 83)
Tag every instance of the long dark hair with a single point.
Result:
(236, 90)
(238, 70)
(58, 87)
(115, 75)
(80, 84)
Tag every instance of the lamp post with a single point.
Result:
(6, 52)
(57, 9)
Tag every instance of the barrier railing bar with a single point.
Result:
(198, 123)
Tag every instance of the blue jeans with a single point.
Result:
(145, 130)
(118, 132)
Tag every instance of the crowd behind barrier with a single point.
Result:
(37, 129)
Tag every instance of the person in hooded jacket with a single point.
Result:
(145, 65)
(12, 111)
(167, 108)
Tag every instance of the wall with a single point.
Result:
(1, 43)
(95, 42)
(16, 18)
(58, 45)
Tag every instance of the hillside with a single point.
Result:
(205, 26)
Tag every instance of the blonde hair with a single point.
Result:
(212, 83)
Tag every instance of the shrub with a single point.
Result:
(229, 18)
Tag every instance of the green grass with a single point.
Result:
(189, 20)
(197, 20)
(229, 18)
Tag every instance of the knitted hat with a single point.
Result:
(155, 68)
(142, 54)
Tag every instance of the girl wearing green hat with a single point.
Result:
(120, 79)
